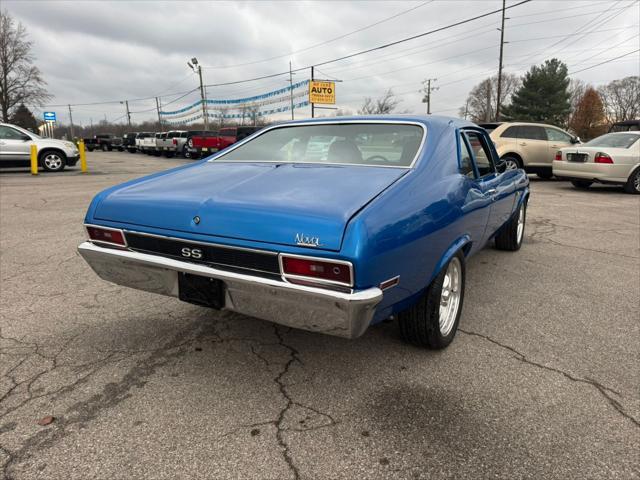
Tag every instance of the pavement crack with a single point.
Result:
(606, 392)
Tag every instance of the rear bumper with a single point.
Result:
(603, 172)
(335, 313)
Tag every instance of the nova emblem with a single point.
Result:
(192, 253)
(196, 220)
(307, 241)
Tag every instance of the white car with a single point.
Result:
(15, 149)
(611, 158)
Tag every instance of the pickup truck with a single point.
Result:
(166, 145)
(149, 143)
(140, 137)
(225, 137)
(129, 142)
(104, 142)
(185, 141)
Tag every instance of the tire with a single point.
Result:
(90, 149)
(633, 184)
(512, 234)
(104, 147)
(120, 149)
(132, 150)
(52, 160)
(545, 175)
(185, 152)
(420, 325)
(511, 163)
(582, 184)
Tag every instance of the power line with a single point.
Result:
(326, 42)
(606, 61)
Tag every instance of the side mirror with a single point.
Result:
(576, 139)
(501, 166)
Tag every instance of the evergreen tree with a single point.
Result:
(24, 118)
(544, 95)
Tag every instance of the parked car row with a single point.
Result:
(188, 143)
(547, 151)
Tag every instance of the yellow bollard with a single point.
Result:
(83, 156)
(34, 160)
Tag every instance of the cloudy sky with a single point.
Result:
(110, 51)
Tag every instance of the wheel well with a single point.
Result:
(514, 155)
(466, 248)
(633, 171)
(42, 152)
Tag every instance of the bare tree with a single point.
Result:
(480, 105)
(20, 80)
(385, 104)
(621, 99)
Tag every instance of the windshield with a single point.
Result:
(614, 140)
(378, 144)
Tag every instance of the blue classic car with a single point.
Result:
(326, 225)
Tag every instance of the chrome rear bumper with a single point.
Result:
(335, 313)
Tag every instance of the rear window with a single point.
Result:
(374, 144)
(228, 132)
(614, 140)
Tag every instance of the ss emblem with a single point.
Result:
(191, 252)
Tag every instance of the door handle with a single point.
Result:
(524, 144)
(491, 191)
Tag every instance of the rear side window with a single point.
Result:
(511, 132)
(466, 163)
(8, 133)
(557, 135)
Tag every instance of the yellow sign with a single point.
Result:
(322, 92)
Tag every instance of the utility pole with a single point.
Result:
(193, 65)
(312, 106)
(487, 113)
(291, 88)
(500, 64)
(159, 117)
(126, 104)
(427, 90)
(70, 122)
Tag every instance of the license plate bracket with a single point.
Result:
(199, 290)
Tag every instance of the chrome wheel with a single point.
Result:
(52, 161)
(511, 164)
(450, 296)
(520, 229)
(636, 182)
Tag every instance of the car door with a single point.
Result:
(15, 146)
(533, 145)
(557, 139)
(497, 187)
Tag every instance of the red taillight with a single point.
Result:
(602, 158)
(107, 235)
(558, 156)
(337, 272)
(175, 142)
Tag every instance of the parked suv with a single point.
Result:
(531, 146)
(15, 149)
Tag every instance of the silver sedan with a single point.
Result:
(611, 158)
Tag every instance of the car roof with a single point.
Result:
(426, 120)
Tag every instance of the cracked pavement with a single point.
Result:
(542, 380)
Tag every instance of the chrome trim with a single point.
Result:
(389, 283)
(333, 122)
(316, 309)
(316, 279)
(126, 244)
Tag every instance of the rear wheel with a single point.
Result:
(582, 184)
(511, 163)
(52, 161)
(104, 147)
(433, 321)
(633, 184)
(512, 234)
(185, 152)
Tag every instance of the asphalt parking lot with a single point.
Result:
(542, 380)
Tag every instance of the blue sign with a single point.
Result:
(50, 116)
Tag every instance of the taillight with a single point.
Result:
(602, 158)
(112, 236)
(558, 156)
(175, 142)
(336, 272)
